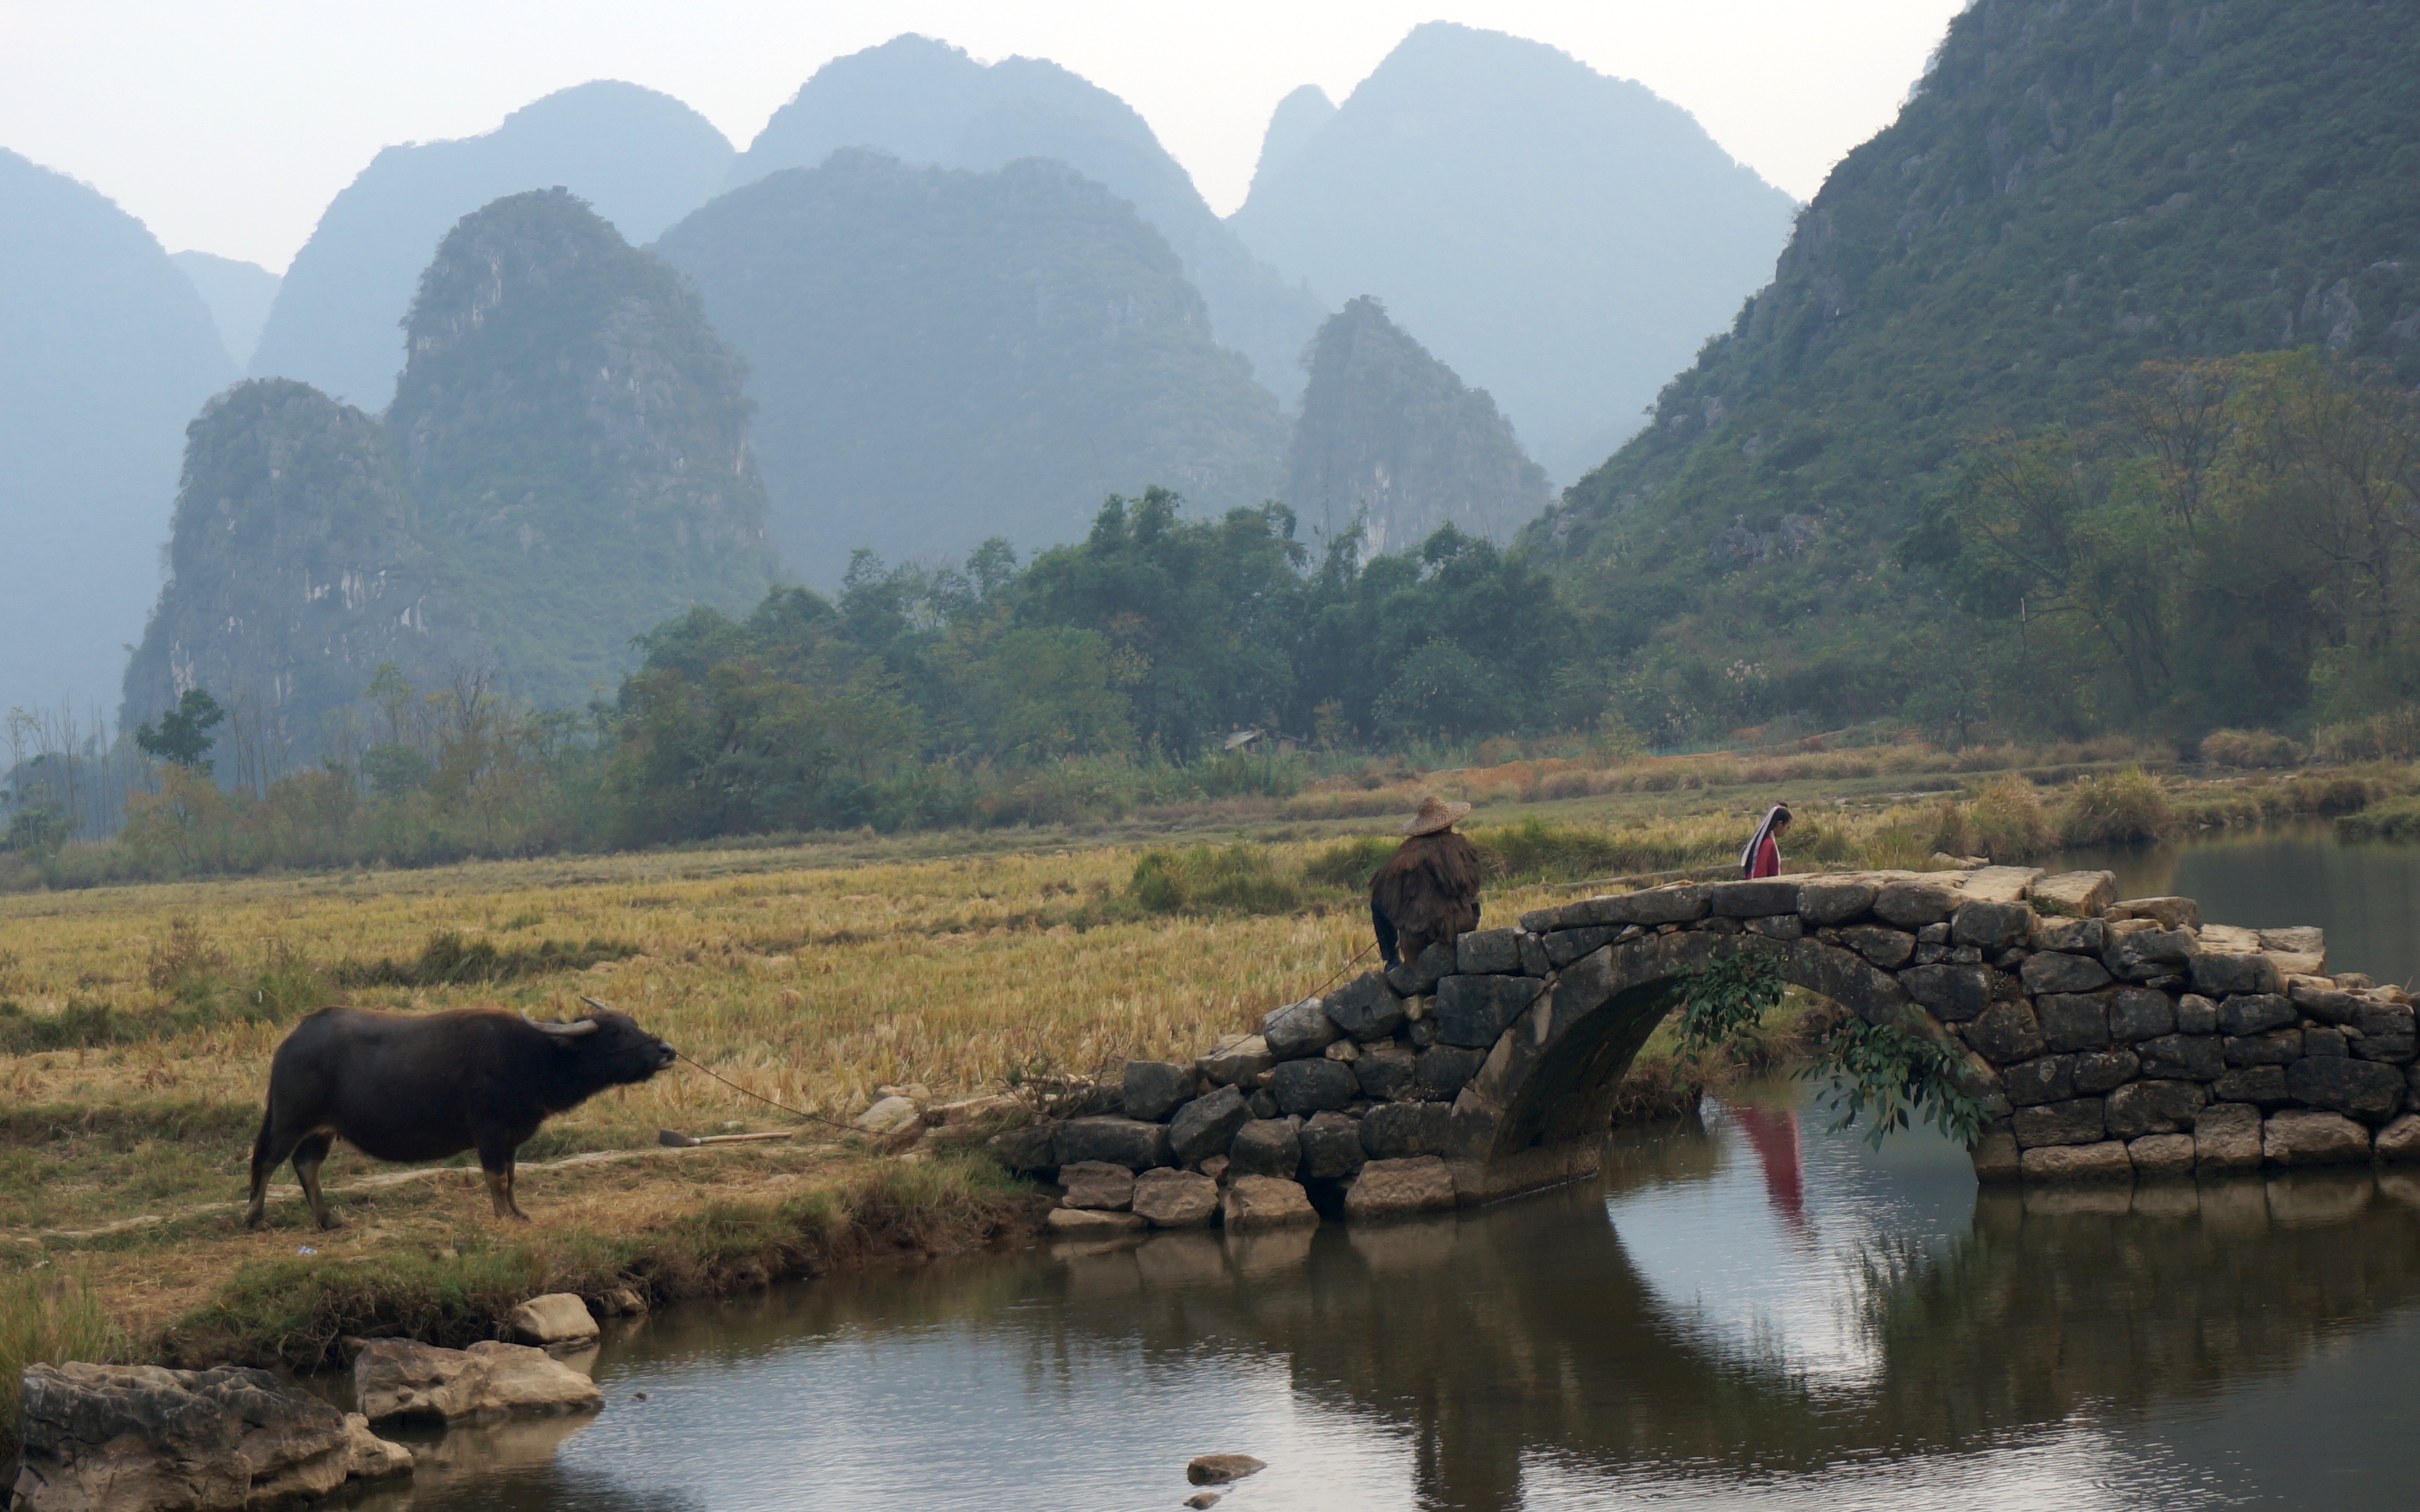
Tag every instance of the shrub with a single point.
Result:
(2391, 737)
(1238, 879)
(2396, 819)
(2248, 748)
(47, 1317)
(2124, 806)
(2007, 822)
(1350, 863)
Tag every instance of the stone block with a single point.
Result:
(1955, 993)
(2262, 1086)
(1564, 947)
(1267, 1146)
(1996, 1157)
(2254, 1013)
(1778, 927)
(2302, 940)
(2320, 1040)
(2196, 1057)
(1239, 1064)
(2072, 1021)
(1533, 957)
(1118, 1141)
(2076, 894)
(2168, 913)
(1472, 1010)
(1266, 1202)
(2098, 1070)
(1400, 1188)
(1445, 1067)
(557, 1318)
(2075, 936)
(1091, 1223)
(1396, 1129)
(1093, 1184)
(2323, 999)
(2226, 1137)
(1019, 1150)
(2137, 955)
(2101, 1161)
(2390, 1025)
(2363, 1088)
(2079, 1120)
(2196, 1014)
(1366, 1008)
(1885, 948)
(1332, 1148)
(402, 1379)
(2043, 1079)
(2140, 1108)
(2222, 974)
(2006, 1033)
(1308, 1086)
(1175, 1200)
(1910, 904)
(1997, 884)
(2056, 971)
(1206, 1126)
(1418, 977)
(2162, 1154)
(1487, 952)
(1756, 899)
(2295, 1137)
(2398, 1142)
(1824, 903)
(1387, 1070)
(1675, 904)
(1992, 926)
(2275, 1048)
(1152, 1090)
(2137, 1014)
(1299, 1029)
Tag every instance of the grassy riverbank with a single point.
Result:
(136, 1025)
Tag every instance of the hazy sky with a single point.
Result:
(227, 125)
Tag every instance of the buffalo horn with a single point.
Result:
(568, 1031)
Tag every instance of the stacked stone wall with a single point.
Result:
(2108, 1039)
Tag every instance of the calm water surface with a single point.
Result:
(1756, 1313)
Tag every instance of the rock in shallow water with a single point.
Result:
(403, 1379)
(1217, 1470)
(1175, 1200)
(1266, 1202)
(1092, 1183)
(557, 1318)
(130, 1437)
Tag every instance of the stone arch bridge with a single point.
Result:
(2111, 1040)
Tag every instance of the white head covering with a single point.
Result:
(1755, 841)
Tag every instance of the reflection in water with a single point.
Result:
(1757, 1312)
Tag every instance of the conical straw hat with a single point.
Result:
(1435, 814)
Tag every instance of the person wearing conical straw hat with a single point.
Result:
(1428, 891)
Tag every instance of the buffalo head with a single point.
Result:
(610, 1048)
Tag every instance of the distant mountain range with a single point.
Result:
(1563, 240)
(642, 159)
(239, 295)
(565, 465)
(105, 353)
(940, 356)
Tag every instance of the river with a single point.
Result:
(1756, 1312)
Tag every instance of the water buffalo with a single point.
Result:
(413, 1087)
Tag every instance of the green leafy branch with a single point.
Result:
(1884, 1073)
(1726, 1003)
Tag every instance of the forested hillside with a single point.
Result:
(1809, 527)
(940, 356)
(1389, 434)
(239, 295)
(927, 103)
(105, 353)
(297, 566)
(642, 159)
(1562, 240)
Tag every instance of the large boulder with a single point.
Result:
(1239, 1063)
(557, 1318)
(402, 1379)
(1206, 1126)
(1485, 951)
(1331, 1146)
(1317, 1086)
(1096, 1185)
(1267, 1146)
(1266, 1202)
(1366, 1008)
(1397, 1130)
(1115, 1141)
(1299, 1029)
(2226, 1137)
(2301, 1138)
(1175, 1200)
(1153, 1088)
(2364, 1089)
(2076, 894)
(1398, 1188)
(1386, 1070)
(130, 1438)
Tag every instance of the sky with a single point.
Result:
(227, 125)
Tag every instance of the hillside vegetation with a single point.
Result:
(2073, 191)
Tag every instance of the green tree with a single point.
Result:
(183, 735)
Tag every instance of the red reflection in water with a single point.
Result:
(1774, 1134)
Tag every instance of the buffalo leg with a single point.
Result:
(269, 1151)
(307, 1156)
(497, 1160)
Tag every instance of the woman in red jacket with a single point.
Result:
(1763, 857)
